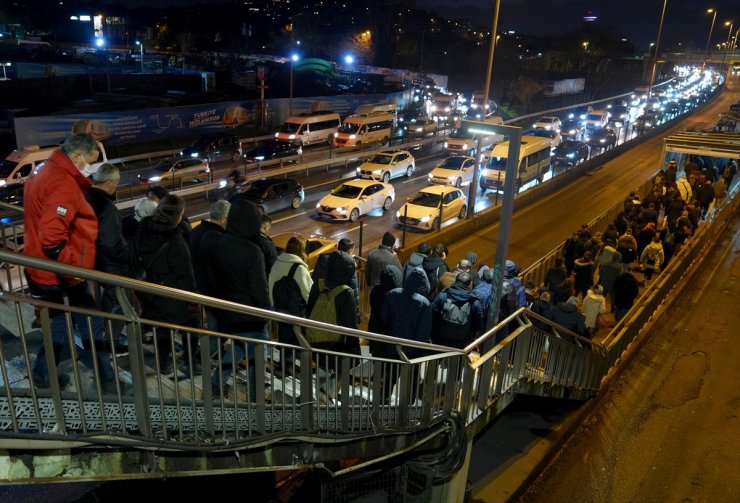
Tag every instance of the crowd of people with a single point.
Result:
(230, 256)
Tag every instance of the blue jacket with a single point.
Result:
(407, 313)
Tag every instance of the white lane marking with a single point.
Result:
(278, 220)
(345, 231)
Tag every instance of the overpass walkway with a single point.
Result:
(317, 408)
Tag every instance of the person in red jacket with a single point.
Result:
(61, 225)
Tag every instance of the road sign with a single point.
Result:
(261, 72)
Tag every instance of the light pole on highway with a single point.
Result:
(655, 56)
(727, 45)
(141, 54)
(711, 27)
(293, 59)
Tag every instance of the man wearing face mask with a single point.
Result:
(61, 225)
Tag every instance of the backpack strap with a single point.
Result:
(291, 273)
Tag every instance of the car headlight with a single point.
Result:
(336, 134)
(398, 214)
(425, 218)
(352, 136)
(318, 205)
(400, 119)
(430, 176)
(465, 146)
(276, 135)
(572, 131)
(194, 154)
(570, 156)
(342, 209)
(451, 177)
(602, 140)
(445, 144)
(359, 170)
(291, 137)
(419, 129)
(447, 109)
(260, 158)
(154, 179)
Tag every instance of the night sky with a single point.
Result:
(686, 21)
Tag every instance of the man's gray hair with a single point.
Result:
(83, 143)
(106, 172)
(220, 209)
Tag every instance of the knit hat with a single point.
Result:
(472, 257)
(424, 248)
(510, 267)
(389, 240)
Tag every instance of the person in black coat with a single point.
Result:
(626, 290)
(156, 193)
(239, 271)
(266, 244)
(459, 293)
(162, 250)
(390, 278)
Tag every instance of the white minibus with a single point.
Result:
(314, 127)
(363, 129)
(534, 162)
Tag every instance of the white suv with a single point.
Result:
(387, 164)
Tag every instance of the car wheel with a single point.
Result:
(261, 210)
(236, 156)
(435, 224)
(463, 212)
(386, 176)
(387, 204)
(354, 215)
(296, 202)
(458, 182)
(409, 171)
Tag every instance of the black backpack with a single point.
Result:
(287, 294)
(456, 319)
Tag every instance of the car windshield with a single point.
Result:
(290, 128)
(547, 120)
(348, 191)
(594, 117)
(6, 168)
(200, 144)
(497, 163)
(426, 199)
(452, 163)
(380, 159)
(349, 128)
(461, 133)
(545, 133)
(253, 189)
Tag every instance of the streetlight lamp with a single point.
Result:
(711, 27)
(349, 59)
(141, 54)
(655, 56)
(293, 59)
(585, 46)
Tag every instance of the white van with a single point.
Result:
(314, 127)
(376, 107)
(464, 142)
(20, 164)
(362, 129)
(534, 162)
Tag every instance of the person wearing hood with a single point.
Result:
(390, 278)
(161, 248)
(460, 293)
(652, 257)
(294, 255)
(593, 305)
(407, 313)
(156, 193)
(266, 244)
(340, 270)
(583, 275)
(567, 315)
(379, 258)
(416, 260)
(626, 290)
(239, 270)
(434, 266)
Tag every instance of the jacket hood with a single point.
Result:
(340, 269)
(416, 259)
(432, 262)
(416, 282)
(289, 258)
(459, 293)
(244, 220)
(391, 277)
(152, 235)
(567, 307)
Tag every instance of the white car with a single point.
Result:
(423, 210)
(553, 135)
(548, 122)
(387, 164)
(421, 127)
(457, 170)
(354, 198)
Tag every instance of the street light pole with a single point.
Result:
(727, 46)
(293, 59)
(711, 27)
(141, 53)
(655, 56)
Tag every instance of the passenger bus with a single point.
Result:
(365, 128)
(534, 162)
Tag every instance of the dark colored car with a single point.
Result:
(411, 115)
(272, 194)
(273, 149)
(672, 108)
(601, 138)
(215, 148)
(620, 114)
(12, 193)
(570, 153)
(571, 129)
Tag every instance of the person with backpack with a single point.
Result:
(416, 260)
(457, 314)
(652, 257)
(345, 245)
(434, 266)
(332, 300)
(290, 283)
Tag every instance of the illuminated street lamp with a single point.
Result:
(349, 59)
(711, 27)
(293, 59)
(100, 42)
(141, 52)
(585, 46)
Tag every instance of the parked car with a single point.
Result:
(315, 245)
(552, 134)
(387, 164)
(570, 153)
(273, 149)
(272, 194)
(423, 209)
(457, 170)
(354, 198)
(215, 148)
(548, 122)
(601, 138)
(421, 127)
(176, 170)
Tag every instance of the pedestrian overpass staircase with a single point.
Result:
(311, 408)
